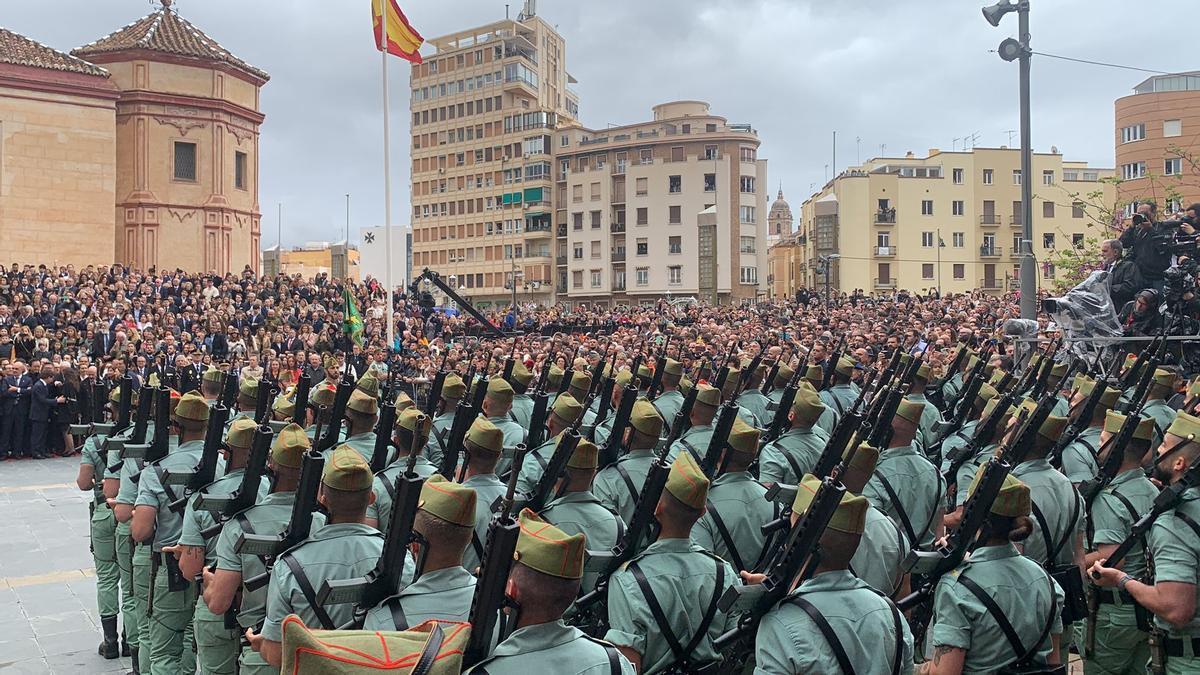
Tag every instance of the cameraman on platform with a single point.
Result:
(1149, 243)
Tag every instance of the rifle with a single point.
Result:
(158, 447)
(142, 418)
(598, 369)
(464, 416)
(935, 393)
(831, 363)
(557, 464)
(685, 422)
(612, 445)
(489, 599)
(229, 389)
(1082, 421)
(541, 402)
(124, 403)
(384, 580)
(985, 431)
(972, 384)
(337, 416)
(660, 365)
(222, 507)
(270, 546)
(1168, 498)
(723, 371)
(720, 438)
(435, 389)
(749, 370)
(510, 362)
(300, 400)
(206, 471)
(605, 403)
(383, 434)
(770, 378)
(1043, 377)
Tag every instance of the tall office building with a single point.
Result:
(676, 206)
(951, 220)
(484, 109)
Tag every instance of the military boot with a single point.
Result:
(111, 647)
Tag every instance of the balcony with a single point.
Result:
(885, 216)
(617, 228)
(989, 219)
(560, 260)
(562, 229)
(1015, 220)
(618, 256)
(991, 284)
(618, 286)
(885, 251)
(619, 167)
(537, 228)
(885, 283)
(560, 288)
(986, 251)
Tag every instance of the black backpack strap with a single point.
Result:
(726, 538)
(692, 449)
(306, 588)
(835, 645)
(391, 489)
(625, 478)
(904, 522)
(476, 545)
(430, 652)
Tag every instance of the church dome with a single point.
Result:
(780, 208)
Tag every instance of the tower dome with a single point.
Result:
(779, 220)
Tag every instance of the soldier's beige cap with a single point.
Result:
(783, 376)
(645, 418)
(709, 396)
(686, 482)
(449, 501)
(547, 549)
(1185, 426)
(347, 470)
(850, 516)
(453, 387)
(554, 377)
(521, 374)
(213, 374)
(362, 402)
(241, 432)
(864, 458)
(581, 382)
(353, 652)
(624, 378)
(407, 419)
(910, 410)
(814, 374)
(731, 382)
(499, 390)
(330, 361)
(284, 405)
(845, 366)
(673, 367)
(322, 395)
(807, 406)
(1113, 421)
(368, 385)
(743, 438)
(486, 435)
(1164, 378)
(567, 409)
(192, 407)
(403, 401)
(585, 456)
(289, 446)
(248, 388)
(1013, 500)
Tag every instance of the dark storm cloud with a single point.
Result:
(910, 75)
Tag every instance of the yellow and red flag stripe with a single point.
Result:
(402, 39)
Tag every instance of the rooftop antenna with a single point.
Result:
(858, 150)
(882, 149)
(1010, 133)
(506, 12)
(954, 144)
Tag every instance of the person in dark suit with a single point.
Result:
(190, 376)
(8, 405)
(101, 343)
(41, 409)
(16, 391)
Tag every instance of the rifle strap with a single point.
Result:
(477, 545)
(1187, 520)
(440, 437)
(664, 625)
(306, 589)
(429, 654)
(692, 449)
(389, 486)
(1052, 549)
(399, 620)
(794, 464)
(904, 522)
(1129, 507)
(727, 538)
(160, 473)
(1023, 653)
(624, 474)
(835, 645)
(610, 652)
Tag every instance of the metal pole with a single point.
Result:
(387, 188)
(347, 219)
(279, 235)
(1028, 273)
(939, 262)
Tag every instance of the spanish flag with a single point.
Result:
(402, 39)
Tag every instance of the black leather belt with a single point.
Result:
(1109, 596)
(1175, 646)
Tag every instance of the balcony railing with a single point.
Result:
(885, 216)
(618, 256)
(560, 288)
(537, 228)
(561, 260)
(562, 229)
(885, 251)
(1015, 220)
(989, 219)
(618, 286)
(885, 283)
(619, 167)
(617, 228)
(986, 251)
(991, 284)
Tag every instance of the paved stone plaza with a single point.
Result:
(48, 617)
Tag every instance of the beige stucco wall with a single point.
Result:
(57, 178)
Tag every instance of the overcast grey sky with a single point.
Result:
(912, 75)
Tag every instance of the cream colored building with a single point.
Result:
(629, 204)
(58, 167)
(484, 109)
(315, 257)
(885, 220)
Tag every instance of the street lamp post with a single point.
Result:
(1020, 51)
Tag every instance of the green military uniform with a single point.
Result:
(956, 441)
(133, 559)
(172, 602)
(866, 625)
(883, 548)
(669, 403)
(970, 467)
(581, 513)
(1079, 458)
(364, 443)
(566, 409)
(453, 389)
(102, 532)
(487, 487)
(1058, 512)
(756, 402)
(737, 507)
(952, 390)
(681, 576)
(840, 397)
(270, 516)
(696, 439)
(618, 486)
(522, 404)
(927, 428)
(1162, 387)
(908, 488)
(1024, 592)
(384, 485)
(787, 458)
(336, 551)
(552, 646)
(443, 594)
(217, 647)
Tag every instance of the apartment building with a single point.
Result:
(676, 206)
(484, 109)
(1155, 140)
(950, 220)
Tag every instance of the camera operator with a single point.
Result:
(1141, 317)
(1124, 279)
(1149, 243)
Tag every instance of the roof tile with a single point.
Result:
(22, 51)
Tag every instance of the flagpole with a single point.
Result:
(387, 178)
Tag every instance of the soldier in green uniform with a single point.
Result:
(795, 452)
(780, 383)
(453, 389)
(870, 634)
(1062, 405)
(842, 394)
(172, 597)
(604, 426)
(120, 491)
(879, 560)
(960, 439)
(522, 404)
(696, 439)
(269, 517)
(1079, 458)
(952, 389)
(482, 447)
(564, 413)
(730, 390)
(961, 481)
(497, 403)
(670, 400)
(1162, 387)
(93, 466)
(737, 505)
(619, 485)
(217, 647)
(362, 414)
(753, 399)
(814, 376)
(680, 576)
(577, 511)
(553, 382)
(445, 520)
(966, 633)
(1116, 645)
(379, 513)
(906, 486)
(927, 432)
(345, 548)
(543, 582)
(1174, 544)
